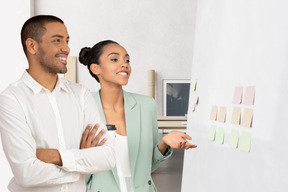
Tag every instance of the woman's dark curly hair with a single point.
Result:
(89, 55)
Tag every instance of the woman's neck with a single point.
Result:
(113, 106)
(112, 97)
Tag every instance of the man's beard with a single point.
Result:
(48, 63)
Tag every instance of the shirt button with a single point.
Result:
(149, 182)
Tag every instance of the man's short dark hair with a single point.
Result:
(35, 28)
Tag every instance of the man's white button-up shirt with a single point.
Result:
(32, 117)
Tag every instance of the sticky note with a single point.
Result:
(245, 142)
(222, 114)
(193, 107)
(212, 132)
(220, 135)
(247, 117)
(234, 138)
(214, 111)
(236, 116)
(193, 85)
(237, 99)
(196, 100)
(249, 95)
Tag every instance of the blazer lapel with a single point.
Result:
(132, 117)
(100, 109)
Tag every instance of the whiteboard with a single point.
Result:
(239, 43)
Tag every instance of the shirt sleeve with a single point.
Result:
(20, 149)
(157, 155)
(95, 159)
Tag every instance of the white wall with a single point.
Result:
(157, 35)
(12, 16)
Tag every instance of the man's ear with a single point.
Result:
(31, 45)
(95, 69)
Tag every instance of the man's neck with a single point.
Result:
(47, 80)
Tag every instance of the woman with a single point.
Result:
(138, 150)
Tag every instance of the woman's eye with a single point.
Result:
(127, 61)
(115, 60)
(57, 40)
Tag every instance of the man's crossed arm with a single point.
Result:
(88, 140)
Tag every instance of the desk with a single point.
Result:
(172, 122)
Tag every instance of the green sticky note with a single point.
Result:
(234, 138)
(245, 142)
(212, 132)
(193, 85)
(220, 135)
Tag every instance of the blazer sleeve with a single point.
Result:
(157, 155)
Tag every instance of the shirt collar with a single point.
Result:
(37, 88)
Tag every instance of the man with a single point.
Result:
(43, 117)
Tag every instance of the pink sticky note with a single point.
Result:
(249, 95)
(196, 100)
(193, 107)
(237, 99)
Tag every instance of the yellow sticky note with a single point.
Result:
(247, 117)
(212, 132)
(222, 114)
(193, 85)
(236, 115)
(234, 138)
(245, 142)
(214, 111)
(220, 135)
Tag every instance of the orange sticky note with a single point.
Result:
(236, 116)
(222, 114)
(214, 111)
(247, 117)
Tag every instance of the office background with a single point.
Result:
(158, 35)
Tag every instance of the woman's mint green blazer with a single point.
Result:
(142, 133)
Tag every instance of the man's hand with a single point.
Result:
(49, 156)
(88, 140)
